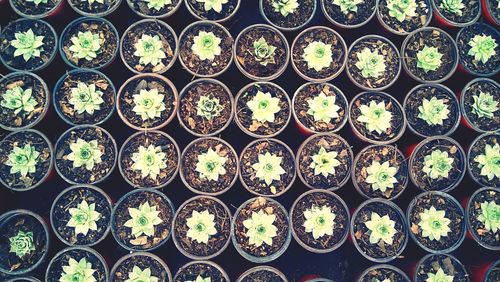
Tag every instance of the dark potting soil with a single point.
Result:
(71, 199)
(262, 275)
(341, 221)
(190, 160)
(206, 270)
(365, 10)
(381, 154)
(39, 28)
(142, 7)
(428, 91)
(483, 123)
(469, 12)
(493, 9)
(55, 269)
(146, 139)
(157, 268)
(476, 149)
(449, 265)
(42, 168)
(309, 92)
(188, 111)
(423, 11)
(281, 223)
(24, 119)
(299, 17)
(64, 94)
(250, 156)
(32, 9)
(95, 7)
(198, 8)
(382, 273)
(121, 215)
(477, 227)
(331, 143)
(468, 61)
(82, 174)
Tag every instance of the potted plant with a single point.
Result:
(482, 217)
(429, 55)
(206, 49)
(142, 219)
(80, 215)
(319, 221)
(324, 161)
(154, 9)
(478, 49)
(205, 107)
(261, 52)
(380, 171)
(27, 45)
(262, 273)
(140, 266)
(23, 279)
(267, 167)
(95, 8)
(84, 96)
(479, 103)
(209, 166)
(319, 54)
(287, 15)
(149, 46)
(25, 100)
(85, 154)
(25, 242)
(204, 271)
(491, 12)
(147, 101)
(217, 10)
(437, 164)
(403, 17)
(379, 230)
(262, 109)
(26, 160)
(383, 272)
(260, 230)
(440, 267)
(319, 107)
(482, 160)
(349, 14)
(77, 264)
(36, 9)
(456, 13)
(149, 159)
(432, 110)
(377, 117)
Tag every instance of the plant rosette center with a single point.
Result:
(264, 52)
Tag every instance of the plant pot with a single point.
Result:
(427, 43)
(31, 10)
(484, 117)
(476, 63)
(364, 11)
(26, 160)
(94, 9)
(469, 14)
(28, 60)
(135, 42)
(371, 123)
(493, 272)
(383, 272)
(142, 219)
(85, 154)
(289, 17)
(213, 13)
(23, 279)
(68, 264)
(147, 101)
(379, 214)
(319, 40)
(205, 107)
(79, 202)
(441, 115)
(491, 12)
(262, 273)
(403, 21)
(209, 166)
(141, 261)
(442, 171)
(324, 161)
(447, 265)
(262, 109)
(245, 222)
(147, 10)
(16, 226)
(206, 49)
(15, 117)
(481, 211)
(380, 171)
(84, 96)
(482, 160)
(261, 52)
(315, 113)
(204, 269)
(262, 155)
(319, 221)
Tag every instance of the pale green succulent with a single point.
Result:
(264, 106)
(375, 117)
(149, 161)
(484, 105)
(285, 7)
(208, 108)
(385, 280)
(434, 224)
(320, 221)
(27, 44)
(86, 45)
(324, 162)
(143, 220)
(210, 165)
(453, 6)
(347, 6)
(261, 229)
(149, 104)
(23, 160)
(157, 4)
(263, 52)
(489, 162)
(139, 275)
(318, 55)
(437, 164)
(199, 278)
(38, 2)
(201, 226)
(83, 218)
(402, 9)
(18, 99)
(433, 111)
(482, 47)
(429, 59)
(439, 276)
(22, 243)
(149, 49)
(77, 271)
(215, 5)
(381, 176)
(323, 108)
(206, 45)
(268, 168)
(85, 154)
(86, 98)
(92, 1)
(371, 63)
(490, 216)
(382, 228)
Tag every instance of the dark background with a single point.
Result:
(344, 264)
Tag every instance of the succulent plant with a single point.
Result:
(323, 108)
(381, 228)
(347, 6)
(439, 276)
(433, 111)
(141, 275)
(482, 47)
(85, 154)
(208, 108)
(375, 117)
(86, 98)
(489, 161)
(285, 7)
(23, 160)
(434, 224)
(86, 45)
(27, 44)
(437, 164)
(490, 216)
(264, 106)
(201, 226)
(320, 221)
(453, 6)
(268, 168)
(78, 271)
(143, 220)
(429, 59)
(402, 9)
(19, 99)
(324, 162)
(149, 49)
(149, 161)
(210, 165)
(263, 52)
(22, 243)
(148, 104)
(381, 176)
(484, 105)
(215, 5)
(83, 218)
(318, 55)
(261, 228)
(206, 45)
(371, 63)
(157, 4)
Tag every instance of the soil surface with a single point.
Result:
(423, 11)
(468, 61)
(448, 264)
(142, 8)
(469, 12)
(198, 8)
(262, 275)
(493, 9)
(55, 270)
(205, 270)
(381, 273)
(95, 7)
(298, 18)
(364, 11)
(30, 8)
(476, 226)
(157, 268)
(482, 123)
(476, 149)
